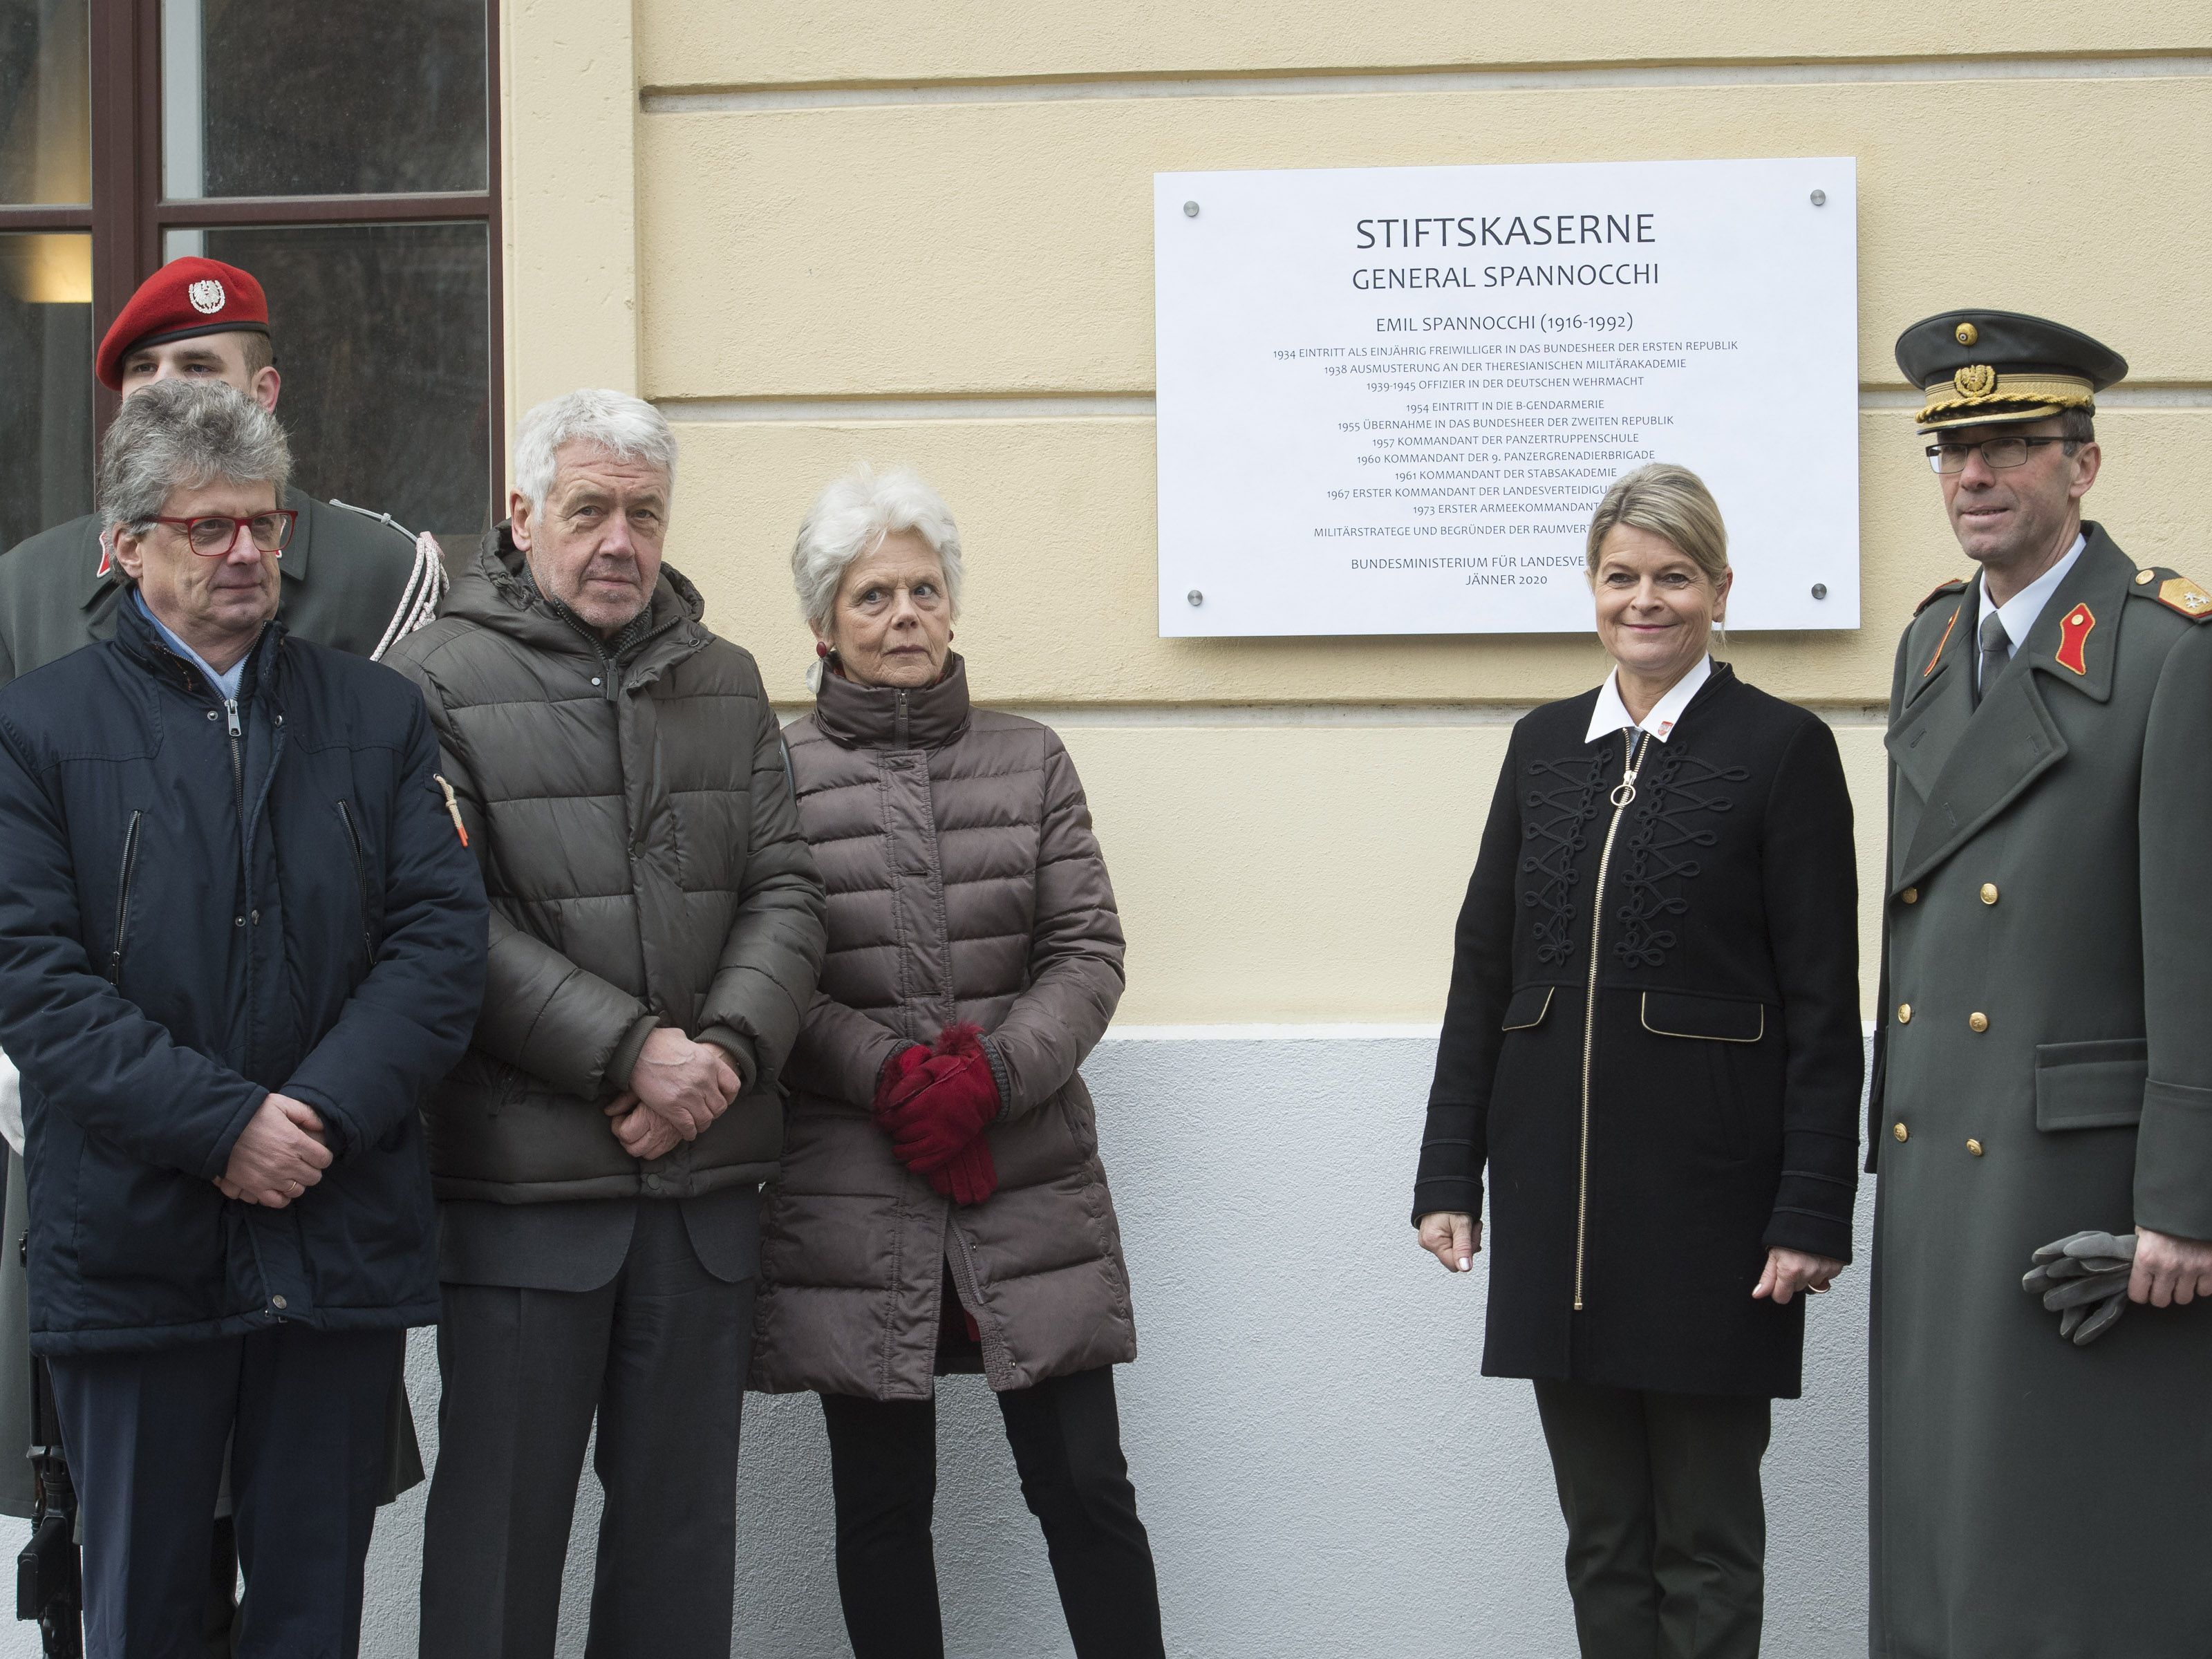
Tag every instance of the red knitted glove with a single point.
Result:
(932, 1126)
(970, 1177)
(901, 1079)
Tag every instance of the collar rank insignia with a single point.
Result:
(2185, 596)
(106, 558)
(2073, 633)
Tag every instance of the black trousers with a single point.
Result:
(1665, 1523)
(303, 1413)
(659, 1357)
(1066, 1439)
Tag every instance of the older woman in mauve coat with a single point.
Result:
(942, 1206)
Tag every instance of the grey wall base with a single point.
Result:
(1322, 1467)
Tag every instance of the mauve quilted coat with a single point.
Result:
(965, 883)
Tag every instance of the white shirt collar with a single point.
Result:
(1611, 713)
(2018, 613)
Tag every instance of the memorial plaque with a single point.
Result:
(1390, 398)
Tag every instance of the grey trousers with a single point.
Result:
(659, 1356)
(1666, 1522)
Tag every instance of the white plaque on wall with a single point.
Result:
(1390, 398)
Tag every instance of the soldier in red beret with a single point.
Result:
(351, 579)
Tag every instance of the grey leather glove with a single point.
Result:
(2083, 1279)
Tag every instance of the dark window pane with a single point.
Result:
(381, 336)
(46, 382)
(46, 101)
(336, 98)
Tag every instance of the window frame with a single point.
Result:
(129, 216)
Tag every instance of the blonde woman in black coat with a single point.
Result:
(1652, 1042)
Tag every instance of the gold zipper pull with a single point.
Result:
(453, 806)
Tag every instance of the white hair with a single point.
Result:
(852, 517)
(628, 428)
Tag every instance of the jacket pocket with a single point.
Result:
(359, 881)
(1527, 1010)
(140, 1224)
(2091, 1086)
(123, 899)
(1710, 1019)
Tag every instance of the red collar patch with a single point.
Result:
(106, 557)
(2073, 633)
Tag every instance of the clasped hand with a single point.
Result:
(277, 1156)
(676, 1089)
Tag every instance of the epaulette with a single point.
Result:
(1957, 584)
(385, 518)
(2174, 591)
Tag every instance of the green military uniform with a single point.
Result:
(2045, 1066)
(348, 578)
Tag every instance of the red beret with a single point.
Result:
(183, 298)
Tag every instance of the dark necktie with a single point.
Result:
(1996, 651)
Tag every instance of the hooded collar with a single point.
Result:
(496, 591)
(857, 716)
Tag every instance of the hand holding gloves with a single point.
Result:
(2084, 1280)
(934, 1103)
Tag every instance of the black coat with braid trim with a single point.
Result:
(1723, 1076)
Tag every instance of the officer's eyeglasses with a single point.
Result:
(214, 534)
(1997, 453)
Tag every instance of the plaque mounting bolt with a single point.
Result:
(1190, 209)
(1195, 596)
(1820, 198)
(1820, 590)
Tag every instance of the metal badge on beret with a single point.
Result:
(1981, 368)
(185, 298)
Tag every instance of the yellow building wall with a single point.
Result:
(922, 234)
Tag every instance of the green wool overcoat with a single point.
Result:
(2044, 1066)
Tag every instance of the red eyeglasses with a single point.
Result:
(212, 535)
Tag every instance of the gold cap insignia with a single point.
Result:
(2185, 596)
(1975, 380)
(1966, 334)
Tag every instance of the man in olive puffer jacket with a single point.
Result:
(657, 926)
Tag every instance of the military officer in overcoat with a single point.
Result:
(2044, 1063)
(352, 580)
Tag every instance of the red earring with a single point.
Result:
(821, 648)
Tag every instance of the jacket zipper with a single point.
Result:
(122, 898)
(237, 764)
(360, 880)
(1623, 795)
(898, 723)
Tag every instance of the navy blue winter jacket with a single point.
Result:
(200, 904)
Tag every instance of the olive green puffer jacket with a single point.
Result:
(635, 821)
(965, 885)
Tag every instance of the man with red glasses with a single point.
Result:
(348, 579)
(239, 939)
